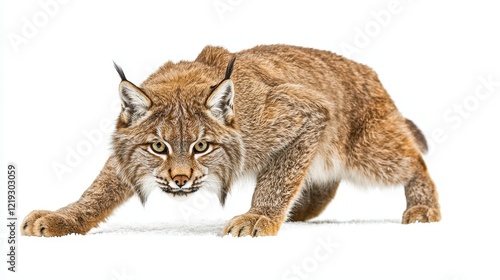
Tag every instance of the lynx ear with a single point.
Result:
(220, 101)
(135, 103)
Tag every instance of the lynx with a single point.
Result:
(300, 119)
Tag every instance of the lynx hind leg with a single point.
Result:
(421, 198)
(421, 195)
(388, 154)
(313, 200)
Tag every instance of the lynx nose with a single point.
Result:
(180, 180)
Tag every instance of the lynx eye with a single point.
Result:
(159, 147)
(200, 147)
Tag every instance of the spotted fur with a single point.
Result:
(301, 119)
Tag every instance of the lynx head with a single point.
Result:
(177, 131)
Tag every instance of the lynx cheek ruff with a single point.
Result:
(301, 119)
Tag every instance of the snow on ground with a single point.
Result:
(131, 246)
(58, 95)
(322, 250)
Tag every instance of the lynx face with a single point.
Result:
(178, 146)
(302, 121)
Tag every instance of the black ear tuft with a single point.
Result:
(135, 102)
(120, 71)
(229, 68)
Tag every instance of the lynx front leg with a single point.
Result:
(276, 189)
(279, 182)
(94, 206)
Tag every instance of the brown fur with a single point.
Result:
(300, 119)
(313, 200)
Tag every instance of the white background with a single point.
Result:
(58, 85)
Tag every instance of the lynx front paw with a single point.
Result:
(421, 213)
(48, 223)
(251, 224)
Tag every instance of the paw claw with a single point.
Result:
(239, 232)
(251, 225)
(422, 214)
(48, 223)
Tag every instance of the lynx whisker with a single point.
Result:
(299, 119)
